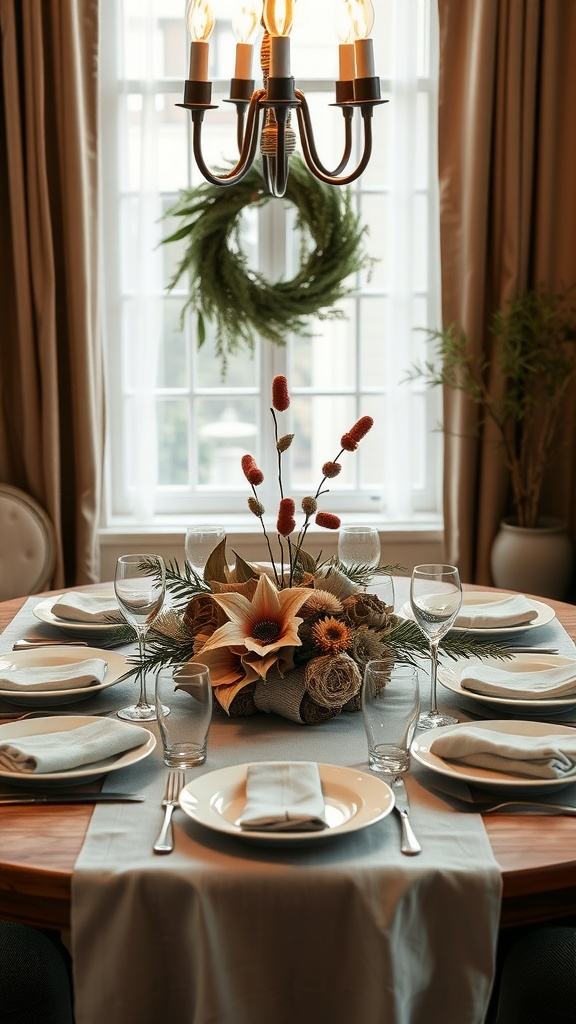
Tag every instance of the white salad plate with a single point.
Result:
(486, 777)
(545, 615)
(353, 800)
(524, 665)
(81, 774)
(117, 667)
(81, 630)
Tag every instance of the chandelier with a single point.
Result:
(357, 88)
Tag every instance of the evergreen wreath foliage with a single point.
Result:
(240, 301)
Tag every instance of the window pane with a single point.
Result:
(172, 447)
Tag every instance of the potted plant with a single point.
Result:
(535, 352)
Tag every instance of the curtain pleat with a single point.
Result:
(507, 166)
(51, 419)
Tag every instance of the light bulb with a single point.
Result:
(278, 15)
(200, 20)
(361, 17)
(345, 25)
(246, 21)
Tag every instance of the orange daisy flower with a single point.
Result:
(331, 635)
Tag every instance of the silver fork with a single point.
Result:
(174, 785)
(526, 807)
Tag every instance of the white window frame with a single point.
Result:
(417, 505)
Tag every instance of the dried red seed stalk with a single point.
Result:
(280, 396)
(253, 475)
(331, 469)
(349, 441)
(286, 522)
(328, 520)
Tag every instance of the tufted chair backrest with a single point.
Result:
(27, 545)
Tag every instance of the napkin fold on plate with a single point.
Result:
(515, 610)
(283, 797)
(551, 756)
(523, 685)
(45, 753)
(72, 676)
(97, 609)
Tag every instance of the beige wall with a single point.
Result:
(407, 548)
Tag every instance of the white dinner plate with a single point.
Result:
(449, 676)
(84, 773)
(81, 630)
(486, 777)
(353, 800)
(545, 615)
(51, 656)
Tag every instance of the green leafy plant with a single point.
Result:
(535, 352)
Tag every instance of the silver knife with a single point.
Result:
(27, 642)
(69, 798)
(409, 845)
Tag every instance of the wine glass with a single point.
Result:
(199, 545)
(359, 545)
(140, 586)
(435, 599)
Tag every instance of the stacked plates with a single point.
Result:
(49, 657)
(93, 631)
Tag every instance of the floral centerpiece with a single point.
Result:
(292, 637)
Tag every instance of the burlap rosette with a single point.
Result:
(312, 693)
(286, 696)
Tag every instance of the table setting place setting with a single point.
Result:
(387, 801)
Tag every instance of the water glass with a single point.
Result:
(359, 545)
(390, 707)
(200, 543)
(184, 710)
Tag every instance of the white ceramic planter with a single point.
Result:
(535, 560)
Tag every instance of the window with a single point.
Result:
(176, 430)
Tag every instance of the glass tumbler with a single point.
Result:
(390, 707)
(184, 710)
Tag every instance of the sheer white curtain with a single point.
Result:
(406, 178)
(131, 142)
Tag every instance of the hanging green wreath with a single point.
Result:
(240, 301)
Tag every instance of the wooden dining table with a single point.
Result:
(39, 846)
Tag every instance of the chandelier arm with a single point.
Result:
(248, 151)
(331, 179)
(305, 125)
(240, 120)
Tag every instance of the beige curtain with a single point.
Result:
(507, 165)
(51, 409)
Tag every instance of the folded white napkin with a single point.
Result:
(61, 751)
(54, 677)
(525, 685)
(541, 757)
(283, 797)
(509, 611)
(95, 608)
